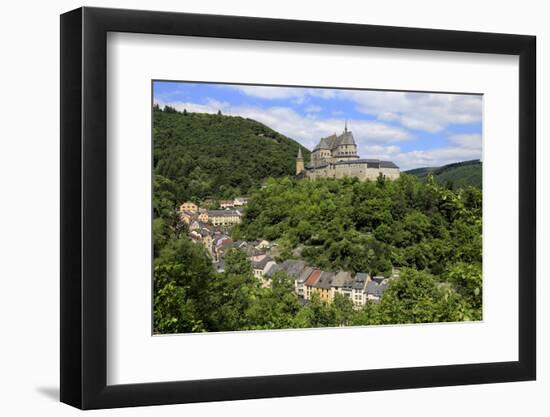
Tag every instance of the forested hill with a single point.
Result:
(200, 155)
(459, 174)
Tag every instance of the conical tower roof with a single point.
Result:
(299, 153)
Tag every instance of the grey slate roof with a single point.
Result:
(293, 268)
(223, 213)
(261, 264)
(272, 270)
(387, 164)
(346, 138)
(371, 163)
(378, 278)
(304, 274)
(220, 265)
(325, 280)
(342, 279)
(333, 141)
(360, 281)
(375, 289)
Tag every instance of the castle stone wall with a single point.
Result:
(361, 171)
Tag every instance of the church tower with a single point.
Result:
(299, 162)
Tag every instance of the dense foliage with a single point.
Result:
(199, 155)
(201, 300)
(459, 174)
(432, 233)
(429, 228)
(368, 226)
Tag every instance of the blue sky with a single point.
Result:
(411, 129)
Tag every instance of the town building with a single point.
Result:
(226, 204)
(263, 245)
(236, 202)
(273, 269)
(310, 282)
(299, 283)
(187, 216)
(375, 289)
(240, 201)
(323, 286)
(195, 225)
(189, 206)
(358, 287)
(260, 268)
(207, 240)
(224, 217)
(203, 216)
(336, 156)
(220, 245)
(293, 269)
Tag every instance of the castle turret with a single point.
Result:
(299, 162)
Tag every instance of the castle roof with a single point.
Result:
(333, 141)
(346, 138)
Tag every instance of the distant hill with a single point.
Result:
(459, 174)
(200, 155)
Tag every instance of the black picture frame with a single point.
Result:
(84, 207)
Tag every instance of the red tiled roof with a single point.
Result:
(313, 277)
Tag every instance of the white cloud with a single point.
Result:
(313, 108)
(435, 157)
(211, 106)
(469, 140)
(422, 158)
(271, 93)
(430, 112)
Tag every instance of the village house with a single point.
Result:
(260, 268)
(375, 289)
(240, 201)
(195, 225)
(308, 280)
(219, 266)
(263, 245)
(220, 245)
(272, 270)
(236, 202)
(187, 216)
(300, 281)
(309, 283)
(293, 268)
(224, 217)
(189, 206)
(359, 284)
(207, 240)
(203, 215)
(341, 283)
(323, 286)
(195, 236)
(226, 204)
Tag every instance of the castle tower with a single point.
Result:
(299, 162)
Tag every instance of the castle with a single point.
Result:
(336, 157)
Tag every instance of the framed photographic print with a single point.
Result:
(256, 208)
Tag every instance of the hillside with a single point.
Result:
(459, 174)
(199, 155)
